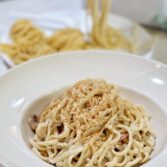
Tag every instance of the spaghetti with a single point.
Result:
(24, 32)
(92, 126)
(25, 35)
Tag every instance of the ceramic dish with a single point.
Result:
(33, 83)
(50, 22)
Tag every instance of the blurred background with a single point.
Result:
(150, 14)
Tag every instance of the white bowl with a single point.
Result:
(27, 87)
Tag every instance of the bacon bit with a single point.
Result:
(123, 137)
(33, 122)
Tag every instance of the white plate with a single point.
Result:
(50, 22)
(147, 79)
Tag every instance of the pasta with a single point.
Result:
(25, 35)
(67, 39)
(24, 32)
(26, 51)
(29, 42)
(102, 34)
(91, 125)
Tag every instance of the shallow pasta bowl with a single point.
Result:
(34, 83)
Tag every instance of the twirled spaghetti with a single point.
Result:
(92, 126)
(23, 31)
(26, 37)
